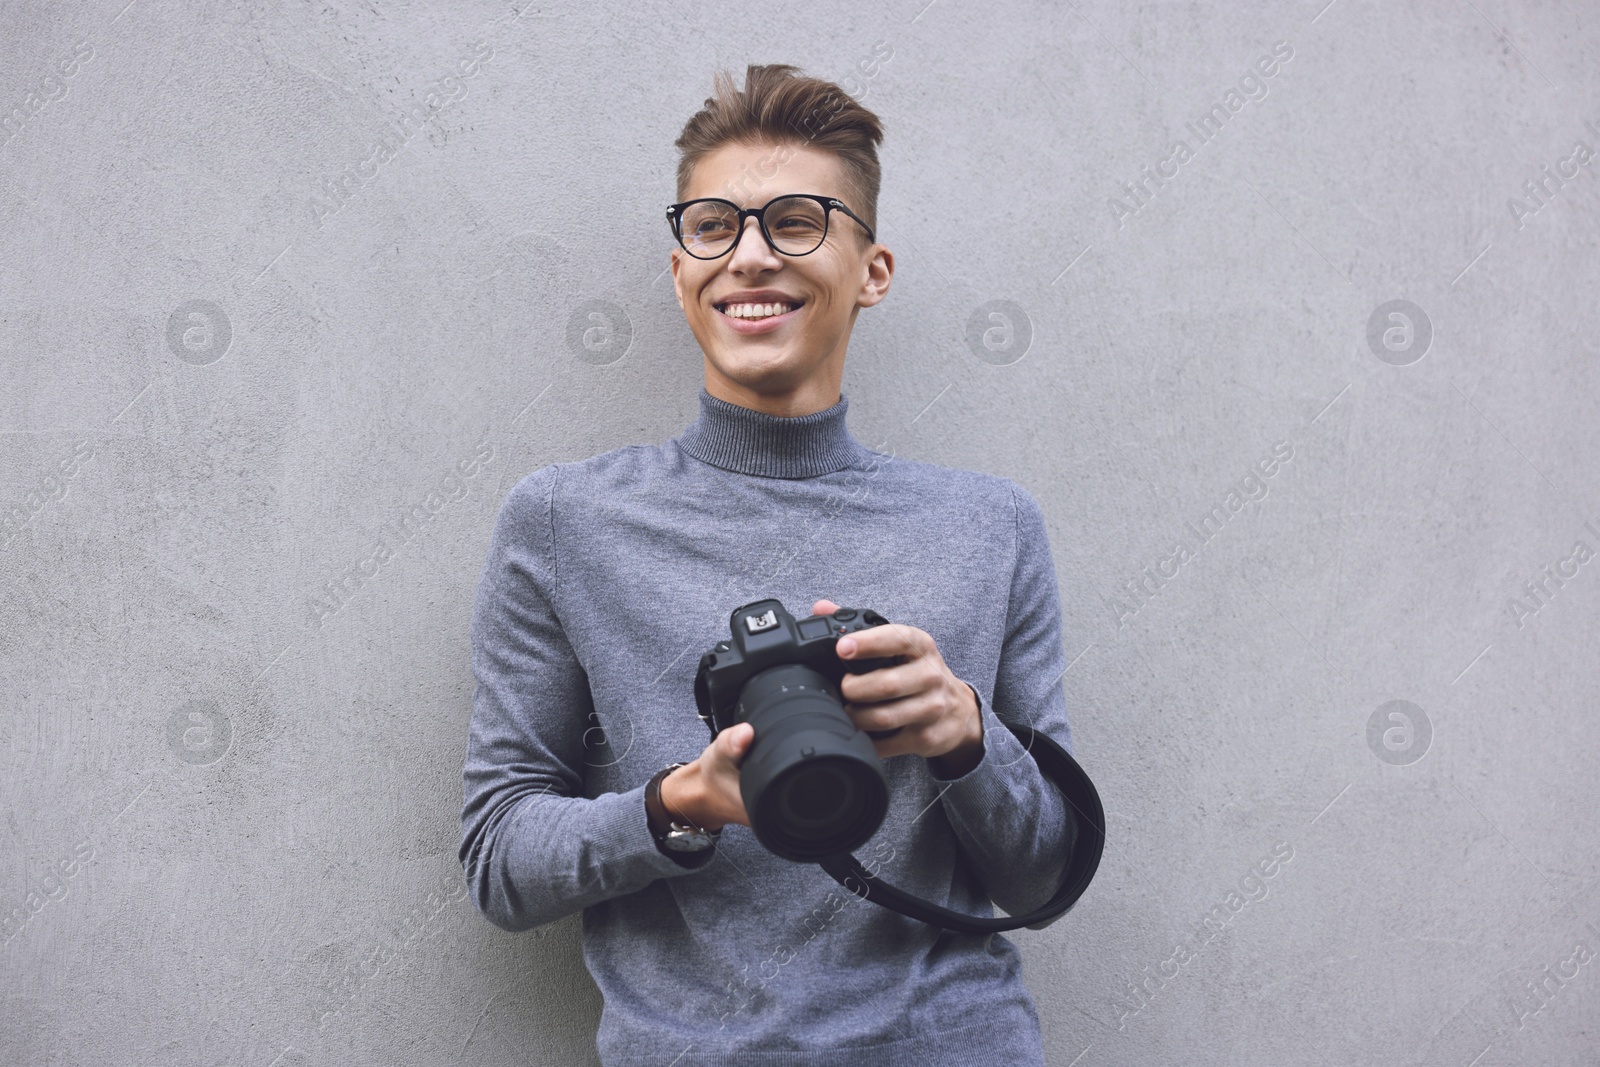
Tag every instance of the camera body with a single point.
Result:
(812, 783)
(766, 635)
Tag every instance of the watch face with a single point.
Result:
(688, 841)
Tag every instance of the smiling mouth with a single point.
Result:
(749, 312)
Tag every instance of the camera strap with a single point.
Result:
(1076, 788)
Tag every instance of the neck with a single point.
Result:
(818, 391)
(783, 405)
(748, 441)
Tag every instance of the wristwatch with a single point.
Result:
(687, 844)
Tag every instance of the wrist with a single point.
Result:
(968, 753)
(681, 797)
(689, 846)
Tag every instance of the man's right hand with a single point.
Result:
(706, 792)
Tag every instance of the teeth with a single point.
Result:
(756, 311)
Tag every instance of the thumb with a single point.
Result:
(740, 736)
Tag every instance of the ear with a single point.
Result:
(677, 282)
(879, 272)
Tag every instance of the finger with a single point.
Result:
(889, 683)
(890, 639)
(729, 745)
(824, 607)
(740, 735)
(902, 743)
(887, 716)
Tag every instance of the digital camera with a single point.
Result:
(812, 783)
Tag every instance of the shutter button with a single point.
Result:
(845, 614)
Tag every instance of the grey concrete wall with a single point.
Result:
(244, 345)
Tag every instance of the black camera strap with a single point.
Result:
(1076, 788)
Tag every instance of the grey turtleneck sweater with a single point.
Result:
(605, 581)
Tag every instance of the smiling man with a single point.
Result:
(590, 784)
(773, 316)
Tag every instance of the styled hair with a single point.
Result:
(782, 107)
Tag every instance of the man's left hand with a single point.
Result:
(933, 713)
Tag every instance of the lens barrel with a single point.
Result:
(812, 783)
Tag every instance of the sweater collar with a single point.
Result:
(747, 441)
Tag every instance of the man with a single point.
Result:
(607, 578)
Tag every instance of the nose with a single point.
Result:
(752, 252)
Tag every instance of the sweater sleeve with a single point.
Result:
(533, 848)
(1012, 823)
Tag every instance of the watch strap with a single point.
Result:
(663, 826)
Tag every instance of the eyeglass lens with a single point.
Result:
(797, 226)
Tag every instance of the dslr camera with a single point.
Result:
(812, 783)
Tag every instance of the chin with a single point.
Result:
(761, 369)
(760, 359)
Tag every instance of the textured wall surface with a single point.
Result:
(290, 297)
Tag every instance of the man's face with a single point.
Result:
(796, 354)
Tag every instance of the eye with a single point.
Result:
(707, 220)
(796, 218)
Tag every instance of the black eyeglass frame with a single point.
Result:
(829, 205)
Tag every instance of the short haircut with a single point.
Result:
(781, 106)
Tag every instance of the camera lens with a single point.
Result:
(812, 783)
(813, 797)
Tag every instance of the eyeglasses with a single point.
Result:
(795, 224)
